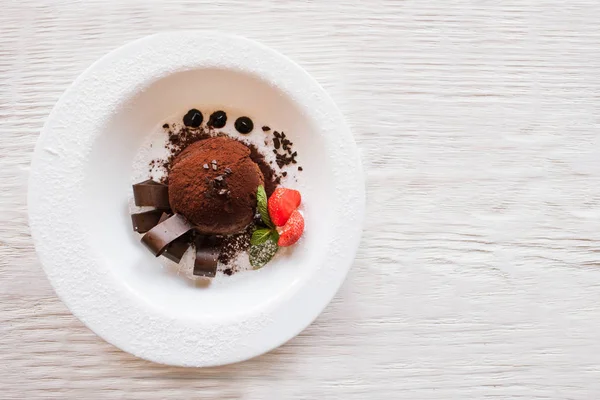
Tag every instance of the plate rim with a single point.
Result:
(274, 324)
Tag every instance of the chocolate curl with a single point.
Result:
(206, 260)
(143, 222)
(158, 238)
(176, 250)
(150, 193)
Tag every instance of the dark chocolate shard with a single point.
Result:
(151, 193)
(158, 238)
(207, 256)
(143, 222)
(206, 261)
(176, 249)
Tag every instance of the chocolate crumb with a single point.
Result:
(276, 143)
(299, 168)
(232, 245)
(228, 271)
(266, 129)
(166, 126)
(284, 173)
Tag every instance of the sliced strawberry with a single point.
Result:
(292, 230)
(282, 204)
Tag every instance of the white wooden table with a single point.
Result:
(479, 273)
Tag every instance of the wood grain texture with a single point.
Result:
(479, 273)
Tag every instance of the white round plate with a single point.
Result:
(81, 180)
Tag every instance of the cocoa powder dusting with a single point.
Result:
(272, 179)
(215, 201)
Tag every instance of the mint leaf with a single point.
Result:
(261, 254)
(260, 236)
(261, 205)
(274, 235)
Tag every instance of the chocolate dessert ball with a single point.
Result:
(213, 184)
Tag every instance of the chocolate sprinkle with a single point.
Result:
(266, 129)
(288, 156)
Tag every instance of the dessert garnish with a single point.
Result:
(193, 118)
(280, 210)
(292, 230)
(218, 119)
(144, 221)
(244, 125)
(206, 260)
(150, 193)
(287, 156)
(158, 238)
(282, 204)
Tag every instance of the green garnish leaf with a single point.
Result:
(261, 205)
(261, 254)
(260, 236)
